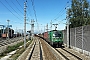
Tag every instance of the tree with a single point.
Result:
(79, 13)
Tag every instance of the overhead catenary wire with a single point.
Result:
(57, 16)
(32, 1)
(34, 9)
(60, 15)
(59, 22)
(28, 8)
(16, 22)
(16, 7)
(9, 10)
(28, 14)
(19, 4)
(27, 19)
(13, 8)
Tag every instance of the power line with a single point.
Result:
(59, 16)
(28, 9)
(19, 4)
(10, 10)
(16, 6)
(34, 9)
(16, 22)
(60, 12)
(61, 21)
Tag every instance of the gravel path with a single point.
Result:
(36, 52)
(47, 53)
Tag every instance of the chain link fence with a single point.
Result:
(79, 38)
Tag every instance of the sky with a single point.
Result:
(44, 11)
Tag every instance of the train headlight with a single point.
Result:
(53, 35)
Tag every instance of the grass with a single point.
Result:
(17, 54)
(10, 48)
(20, 51)
(14, 47)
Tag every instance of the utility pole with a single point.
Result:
(89, 10)
(32, 28)
(55, 26)
(22, 33)
(3, 27)
(38, 27)
(24, 24)
(1, 30)
(44, 28)
(47, 27)
(8, 28)
(68, 41)
(51, 24)
(16, 31)
(11, 32)
(41, 28)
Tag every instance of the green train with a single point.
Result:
(54, 37)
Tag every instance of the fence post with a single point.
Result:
(70, 38)
(63, 34)
(82, 39)
(75, 38)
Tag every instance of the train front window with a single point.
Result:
(57, 35)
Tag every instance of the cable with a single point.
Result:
(29, 12)
(61, 21)
(59, 16)
(12, 8)
(16, 6)
(28, 9)
(26, 13)
(34, 9)
(19, 4)
(16, 22)
(10, 11)
(60, 12)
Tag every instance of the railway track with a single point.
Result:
(36, 52)
(4, 42)
(67, 55)
(51, 53)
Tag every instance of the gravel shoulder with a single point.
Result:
(47, 52)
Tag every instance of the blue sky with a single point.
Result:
(46, 10)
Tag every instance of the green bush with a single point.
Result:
(14, 47)
(20, 51)
(11, 48)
